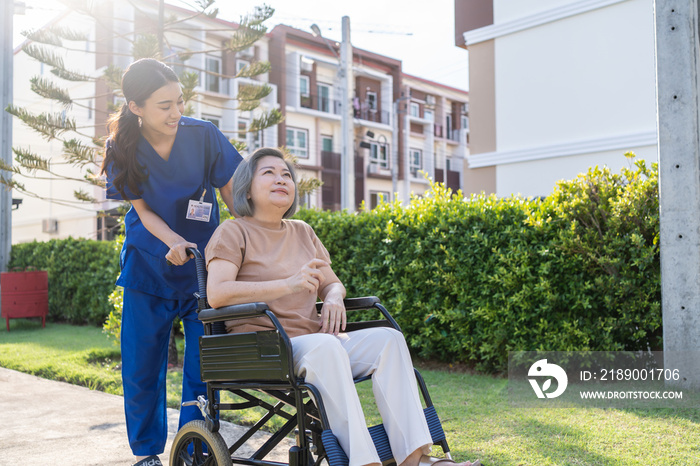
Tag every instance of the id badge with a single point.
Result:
(198, 210)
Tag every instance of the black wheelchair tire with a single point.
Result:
(195, 434)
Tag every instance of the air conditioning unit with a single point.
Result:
(373, 168)
(49, 225)
(430, 100)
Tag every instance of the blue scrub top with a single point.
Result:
(201, 157)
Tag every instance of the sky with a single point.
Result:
(419, 33)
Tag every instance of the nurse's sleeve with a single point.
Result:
(224, 158)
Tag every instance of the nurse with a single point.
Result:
(167, 165)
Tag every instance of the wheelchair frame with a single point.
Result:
(245, 363)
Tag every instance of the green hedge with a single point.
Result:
(81, 276)
(471, 279)
(467, 279)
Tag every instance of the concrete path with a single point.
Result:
(43, 422)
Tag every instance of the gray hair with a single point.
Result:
(243, 179)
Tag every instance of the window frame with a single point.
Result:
(326, 98)
(371, 101)
(412, 166)
(301, 152)
(303, 77)
(375, 155)
(211, 80)
(374, 198)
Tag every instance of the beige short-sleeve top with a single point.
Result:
(264, 254)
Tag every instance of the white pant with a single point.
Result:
(331, 362)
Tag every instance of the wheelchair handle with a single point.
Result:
(201, 271)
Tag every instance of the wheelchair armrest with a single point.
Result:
(237, 311)
(354, 304)
(366, 302)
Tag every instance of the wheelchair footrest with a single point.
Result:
(337, 457)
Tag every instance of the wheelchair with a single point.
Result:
(257, 367)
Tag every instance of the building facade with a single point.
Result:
(404, 128)
(398, 121)
(557, 87)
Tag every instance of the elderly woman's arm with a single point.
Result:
(223, 289)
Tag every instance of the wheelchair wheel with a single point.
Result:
(194, 445)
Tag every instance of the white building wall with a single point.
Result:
(539, 177)
(56, 201)
(574, 87)
(590, 75)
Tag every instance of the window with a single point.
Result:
(297, 142)
(379, 154)
(448, 126)
(377, 197)
(213, 119)
(465, 122)
(212, 81)
(324, 98)
(429, 115)
(240, 64)
(414, 109)
(415, 161)
(327, 143)
(242, 133)
(304, 86)
(371, 100)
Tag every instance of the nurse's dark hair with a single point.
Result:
(243, 180)
(141, 79)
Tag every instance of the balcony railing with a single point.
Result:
(320, 103)
(373, 115)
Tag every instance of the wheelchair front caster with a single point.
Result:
(195, 445)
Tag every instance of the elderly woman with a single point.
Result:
(264, 256)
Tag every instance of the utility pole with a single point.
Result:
(6, 58)
(677, 93)
(347, 162)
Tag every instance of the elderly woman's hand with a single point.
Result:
(333, 314)
(308, 278)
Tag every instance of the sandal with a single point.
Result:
(426, 460)
(152, 460)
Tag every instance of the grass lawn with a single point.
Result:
(474, 409)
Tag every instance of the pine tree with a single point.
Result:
(50, 45)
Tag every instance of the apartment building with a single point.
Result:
(403, 126)
(438, 120)
(557, 87)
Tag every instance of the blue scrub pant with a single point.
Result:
(146, 324)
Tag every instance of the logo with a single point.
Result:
(543, 369)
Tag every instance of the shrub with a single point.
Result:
(471, 279)
(81, 276)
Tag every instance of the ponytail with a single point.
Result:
(120, 152)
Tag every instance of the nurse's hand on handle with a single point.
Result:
(178, 253)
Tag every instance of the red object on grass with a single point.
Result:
(24, 294)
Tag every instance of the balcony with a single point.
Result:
(375, 116)
(320, 103)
